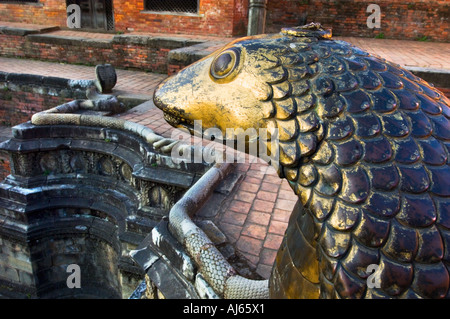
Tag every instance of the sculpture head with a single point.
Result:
(363, 143)
(258, 82)
(226, 89)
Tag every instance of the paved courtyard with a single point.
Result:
(255, 219)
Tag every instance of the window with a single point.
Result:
(177, 6)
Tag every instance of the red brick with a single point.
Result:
(255, 231)
(287, 194)
(249, 245)
(270, 187)
(242, 167)
(263, 206)
(277, 227)
(255, 173)
(285, 204)
(232, 231)
(281, 215)
(267, 256)
(285, 185)
(249, 187)
(253, 180)
(267, 196)
(245, 196)
(273, 241)
(234, 218)
(271, 170)
(258, 218)
(416, 18)
(239, 206)
(272, 179)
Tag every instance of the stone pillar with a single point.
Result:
(256, 17)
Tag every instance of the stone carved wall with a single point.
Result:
(97, 258)
(79, 195)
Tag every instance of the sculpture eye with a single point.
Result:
(224, 64)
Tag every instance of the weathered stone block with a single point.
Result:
(212, 231)
(167, 245)
(65, 259)
(171, 285)
(26, 278)
(20, 78)
(89, 208)
(19, 264)
(8, 273)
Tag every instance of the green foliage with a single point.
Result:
(422, 38)
(380, 36)
(7, 94)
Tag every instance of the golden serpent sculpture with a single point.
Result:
(363, 142)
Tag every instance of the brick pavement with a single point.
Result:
(255, 219)
(433, 55)
(127, 81)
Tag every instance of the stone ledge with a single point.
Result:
(193, 53)
(37, 90)
(139, 40)
(71, 41)
(24, 31)
(438, 77)
(155, 41)
(47, 81)
(166, 263)
(131, 100)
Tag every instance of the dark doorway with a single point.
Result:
(95, 14)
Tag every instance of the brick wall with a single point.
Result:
(22, 95)
(400, 19)
(240, 21)
(49, 12)
(18, 106)
(143, 53)
(219, 18)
